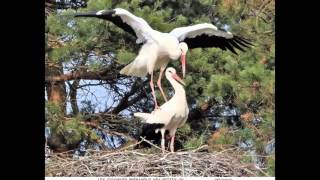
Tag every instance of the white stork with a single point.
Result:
(172, 114)
(159, 48)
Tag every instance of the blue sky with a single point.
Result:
(96, 94)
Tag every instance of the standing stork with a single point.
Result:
(172, 114)
(159, 48)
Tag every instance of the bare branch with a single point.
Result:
(102, 75)
(124, 102)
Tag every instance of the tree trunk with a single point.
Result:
(73, 96)
(56, 90)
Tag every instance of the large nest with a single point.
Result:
(137, 163)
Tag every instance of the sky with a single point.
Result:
(98, 95)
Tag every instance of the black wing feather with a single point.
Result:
(109, 15)
(241, 42)
(205, 41)
(227, 44)
(244, 40)
(236, 45)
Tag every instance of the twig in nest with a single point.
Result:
(194, 150)
(134, 163)
(257, 167)
(164, 157)
(152, 144)
(199, 148)
(226, 150)
(132, 145)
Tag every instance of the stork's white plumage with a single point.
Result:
(172, 114)
(159, 48)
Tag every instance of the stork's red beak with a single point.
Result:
(176, 77)
(183, 63)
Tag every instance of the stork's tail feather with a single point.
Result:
(132, 70)
(153, 127)
(150, 118)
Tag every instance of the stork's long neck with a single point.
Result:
(178, 88)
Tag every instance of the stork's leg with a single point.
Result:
(167, 139)
(172, 144)
(153, 93)
(159, 83)
(172, 135)
(162, 140)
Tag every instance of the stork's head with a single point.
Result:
(184, 48)
(171, 72)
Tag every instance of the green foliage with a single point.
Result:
(260, 144)
(193, 139)
(184, 130)
(95, 66)
(194, 142)
(95, 5)
(206, 2)
(246, 159)
(254, 73)
(193, 88)
(226, 139)
(267, 126)
(221, 86)
(125, 56)
(72, 130)
(58, 24)
(93, 136)
(52, 112)
(271, 165)
(244, 134)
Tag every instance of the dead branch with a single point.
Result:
(101, 75)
